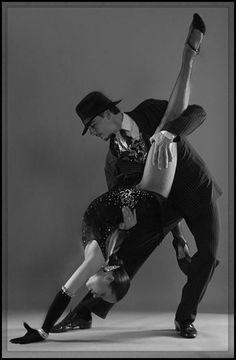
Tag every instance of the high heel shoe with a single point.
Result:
(197, 24)
(182, 254)
(181, 248)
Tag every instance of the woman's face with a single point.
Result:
(99, 285)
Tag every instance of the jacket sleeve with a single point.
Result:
(187, 122)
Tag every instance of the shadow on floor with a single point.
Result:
(120, 336)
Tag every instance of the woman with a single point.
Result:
(101, 271)
(109, 219)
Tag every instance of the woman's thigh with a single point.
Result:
(159, 180)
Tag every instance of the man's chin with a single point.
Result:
(105, 138)
(109, 299)
(102, 137)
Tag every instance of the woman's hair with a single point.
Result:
(121, 283)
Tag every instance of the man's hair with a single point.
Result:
(121, 283)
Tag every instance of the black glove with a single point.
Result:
(32, 335)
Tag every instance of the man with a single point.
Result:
(193, 195)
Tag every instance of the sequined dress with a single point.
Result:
(104, 214)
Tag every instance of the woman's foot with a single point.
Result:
(181, 248)
(196, 32)
(182, 254)
(73, 321)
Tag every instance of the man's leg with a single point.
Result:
(205, 229)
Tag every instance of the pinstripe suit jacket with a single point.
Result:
(193, 186)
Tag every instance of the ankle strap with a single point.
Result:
(197, 51)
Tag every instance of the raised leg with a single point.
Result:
(179, 98)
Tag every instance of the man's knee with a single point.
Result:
(209, 259)
(203, 264)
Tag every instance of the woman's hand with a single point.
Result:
(129, 218)
(32, 335)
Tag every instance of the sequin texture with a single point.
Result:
(104, 214)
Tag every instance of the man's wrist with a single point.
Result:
(167, 134)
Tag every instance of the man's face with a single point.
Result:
(102, 126)
(99, 285)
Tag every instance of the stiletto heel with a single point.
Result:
(181, 248)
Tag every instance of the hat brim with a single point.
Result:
(107, 107)
(85, 130)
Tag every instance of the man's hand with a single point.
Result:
(162, 154)
(129, 218)
(32, 335)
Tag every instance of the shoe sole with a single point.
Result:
(65, 329)
(185, 335)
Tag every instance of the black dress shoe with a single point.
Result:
(187, 330)
(72, 321)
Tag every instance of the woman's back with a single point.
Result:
(104, 214)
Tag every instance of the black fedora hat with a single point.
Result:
(92, 105)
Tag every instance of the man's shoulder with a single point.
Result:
(151, 102)
(149, 106)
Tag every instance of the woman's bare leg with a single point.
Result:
(179, 98)
(160, 180)
(154, 179)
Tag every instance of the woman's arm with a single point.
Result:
(93, 261)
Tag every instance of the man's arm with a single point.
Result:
(163, 126)
(186, 123)
(154, 112)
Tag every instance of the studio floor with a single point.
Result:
(124, 334)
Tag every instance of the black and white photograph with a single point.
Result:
(118, 179)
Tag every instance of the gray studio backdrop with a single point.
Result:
(55, 56)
